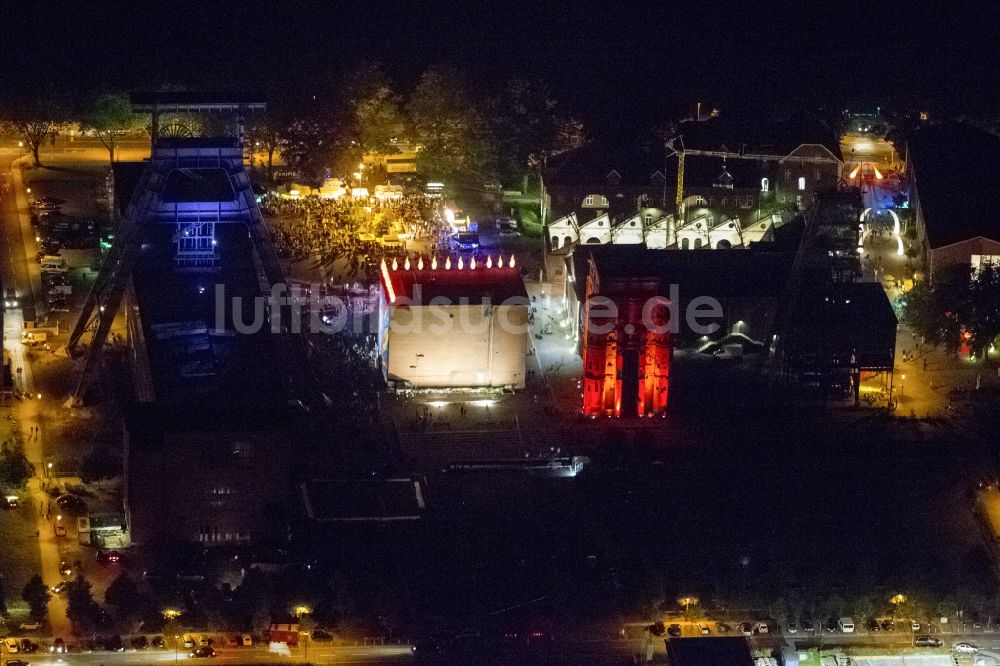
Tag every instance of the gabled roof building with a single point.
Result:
(954, 192)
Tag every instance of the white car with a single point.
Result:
(965, 648)
(914, 625)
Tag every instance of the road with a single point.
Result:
(317, 655)
(18, 274)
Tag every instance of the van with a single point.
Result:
(846, 625)
(54, 264)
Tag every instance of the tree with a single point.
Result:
(129, 605)
(453, 137)
(947, 608)
(958, 306)
(35, 116)
(15, 470)
(36, 594)
(122, 592)
(100, 463)
(110, 116)
(524, 124)
(269, 130)
(81, 609)
(778, 609)
(376, 120)
(3, 601)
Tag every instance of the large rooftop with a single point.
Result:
(196, 360)
(715, 651)
(955, 168)
(718, 273)
(768, 137)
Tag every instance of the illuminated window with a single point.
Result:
(981, 260)
(802, 183)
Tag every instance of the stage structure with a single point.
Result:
(193, 184)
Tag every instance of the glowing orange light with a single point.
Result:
(512, 261)
(472, 263)
(489, 261)
(395, 264)
(461, 264)
(406, 264)
(855, 172)
(447, 264)
(434, 263)
(420, 263)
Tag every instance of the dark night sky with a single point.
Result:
(611, 60)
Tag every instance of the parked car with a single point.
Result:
(13, 647)
(746, 628)
(60, 587)
(30, 626)
(60, 529)
(914, 625)
(674, 630)
(247, 640)
(113, 643)
(202, 652)
(807, 625)
(231, 641)
(140, 642)
(703, 629)
(793, 628)
(65, 569)
(831, 625)
(760, 628)
(58, 646)
(871, 624)
(27, 646)
(888, 625)
(927, 641)
(158, 642)
(965, 648)
(723, 628)
(188, 641)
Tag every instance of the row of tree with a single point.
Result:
(37, 118)
(462, 133)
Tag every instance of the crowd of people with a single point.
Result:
(348, 235)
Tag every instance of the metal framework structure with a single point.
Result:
(219, 160)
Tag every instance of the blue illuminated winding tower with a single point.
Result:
(191, 185)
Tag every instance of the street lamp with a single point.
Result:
(300, 611)
(687, 602)
(902, 378)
